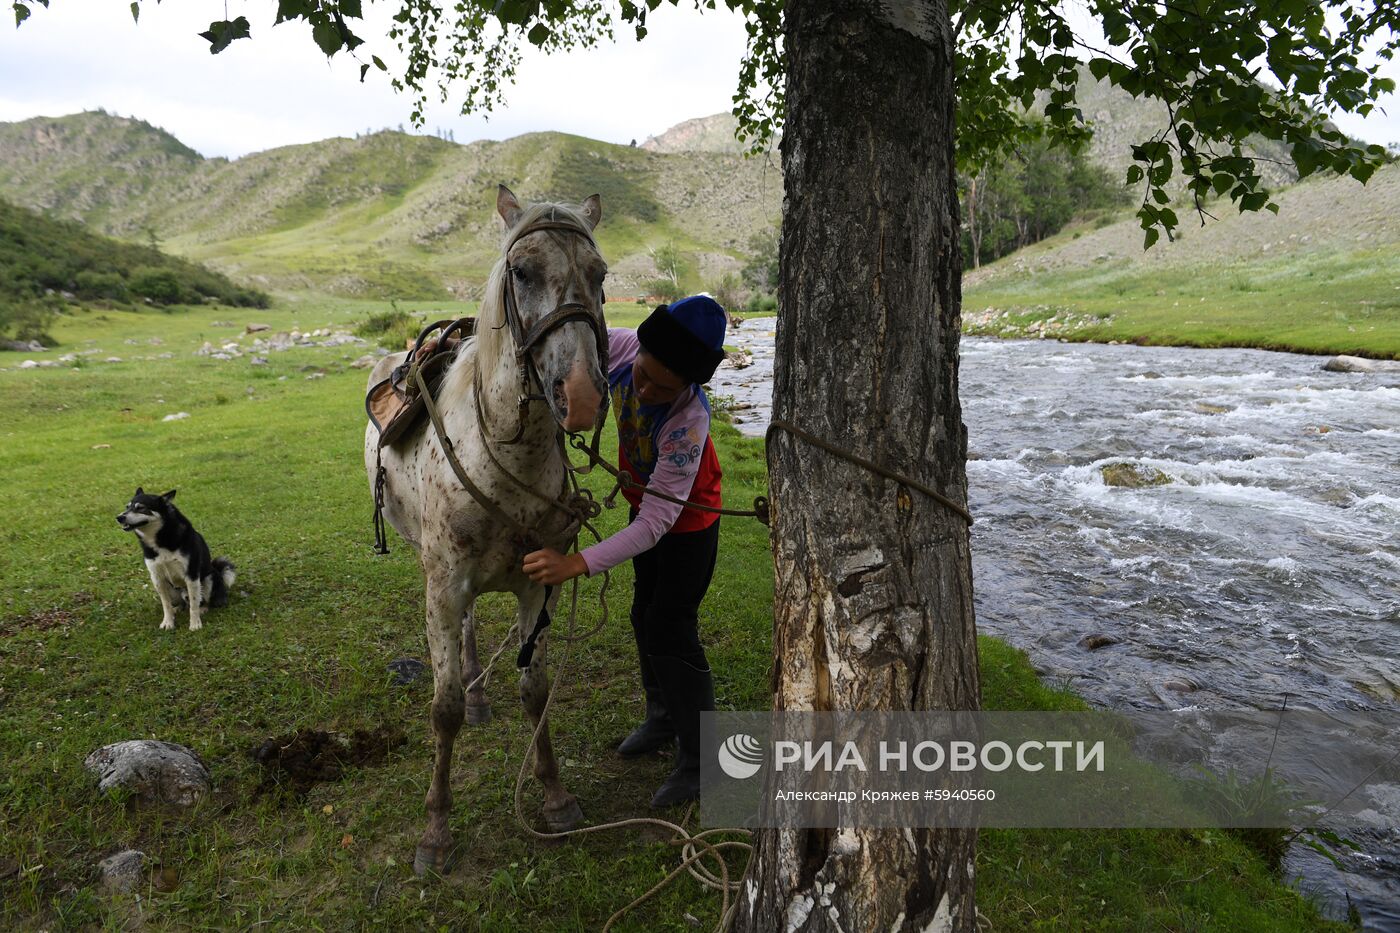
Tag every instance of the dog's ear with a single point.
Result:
(139, 492)
(167, 496)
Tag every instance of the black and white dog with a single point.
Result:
(177, 557)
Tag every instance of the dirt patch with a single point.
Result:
(299, 760)
(40, 620)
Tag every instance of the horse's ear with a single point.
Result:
(507, 206)
(593, 211)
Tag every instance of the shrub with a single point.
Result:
(729, 292)
(760, 303)
(162, 286)
(92, 284)
(665, 289)
(392, 329)
(29, 320)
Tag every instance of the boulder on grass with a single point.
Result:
(155, 772)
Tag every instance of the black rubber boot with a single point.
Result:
(689, 691)
(656, 731)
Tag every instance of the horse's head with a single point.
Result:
(553, 285)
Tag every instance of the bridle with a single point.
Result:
(526, 340)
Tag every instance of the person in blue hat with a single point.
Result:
(663, 427)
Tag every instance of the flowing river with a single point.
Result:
(1264, 561)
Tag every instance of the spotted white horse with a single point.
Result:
(541, 336)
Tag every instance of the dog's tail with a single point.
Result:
(223, 579)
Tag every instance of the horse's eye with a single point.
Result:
(519, 273)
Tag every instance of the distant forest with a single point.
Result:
(1030, 195)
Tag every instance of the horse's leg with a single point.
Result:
(478, 710)
(561, 810)
(447, 602)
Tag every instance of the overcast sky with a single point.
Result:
(277, 89)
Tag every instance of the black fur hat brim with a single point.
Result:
(676, 348)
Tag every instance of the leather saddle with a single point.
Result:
(394, 405)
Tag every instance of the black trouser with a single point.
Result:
(671, 580)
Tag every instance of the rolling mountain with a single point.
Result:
(388, 214)
(395, 215)
(714, 133)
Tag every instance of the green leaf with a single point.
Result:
(364, 69)
(1253, 201)
(1160, 196)
(327, 37)
(223, 32)
(1098, 67)
(379, 63)
(135, 12)
(351, 8)
(1151, 237)
(1135, 174)
(293, 9)
(538, 33)
(1271, 207)
(21, 14)
(515, 12)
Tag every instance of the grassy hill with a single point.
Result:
(1323, 275)
(388, 214)
(92, 167)
(47, 266)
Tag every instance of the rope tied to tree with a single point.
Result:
(761, 509)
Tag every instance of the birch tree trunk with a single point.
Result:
(974, 227)
(873, 598)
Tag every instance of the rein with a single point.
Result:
(578, 504)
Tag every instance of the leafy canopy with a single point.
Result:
(1227, 70)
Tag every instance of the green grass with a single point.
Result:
(1323, 302)
(269, 469)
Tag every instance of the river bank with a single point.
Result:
(1316, 303)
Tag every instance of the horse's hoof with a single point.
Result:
(479, 715)
(563, 818)
(430, 859)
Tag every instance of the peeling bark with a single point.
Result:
(873, 595)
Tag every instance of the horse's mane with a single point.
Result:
(492, 334)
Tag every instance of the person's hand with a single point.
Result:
(551, 568)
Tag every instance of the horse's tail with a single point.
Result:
(223, 579)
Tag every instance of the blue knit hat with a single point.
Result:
(687, 337)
